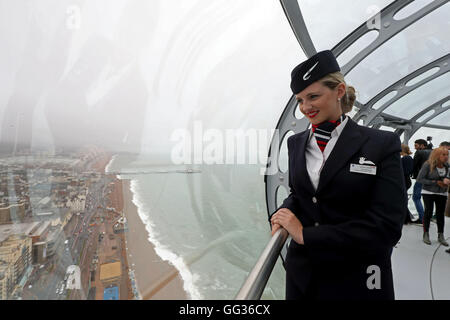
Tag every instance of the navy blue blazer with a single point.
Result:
(351, 222)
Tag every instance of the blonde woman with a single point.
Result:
(347, 202)
(435, 178)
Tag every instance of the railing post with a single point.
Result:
(253, 287)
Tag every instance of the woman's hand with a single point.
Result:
(287, 219)
(441, 184)
(447, 181)
(275, 227)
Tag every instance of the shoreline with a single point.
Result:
(110, 245)
(155, 278)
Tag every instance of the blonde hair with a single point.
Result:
(433, 160)
(332, 80)
(405, 149)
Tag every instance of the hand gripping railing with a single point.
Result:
(253, 287)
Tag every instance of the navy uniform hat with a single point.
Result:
(313, 69)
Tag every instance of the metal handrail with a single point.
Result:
(253, 287)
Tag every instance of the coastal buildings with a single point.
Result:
(14, 212)
(15, 259)
(39, 252)
(21, 245)
(77, 203)
(121, 226)
(54, 240)
(6, 280)
(51, 213)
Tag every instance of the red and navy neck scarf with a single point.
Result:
(322, 131)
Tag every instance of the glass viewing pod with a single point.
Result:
(143, 144)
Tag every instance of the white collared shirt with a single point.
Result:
(315, 159)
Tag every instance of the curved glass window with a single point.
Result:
(134, 137)
(421, 98)
(419, 44)
(133, 143)
(281, 195)
(385, 99)
(356, 47)
(411, 9)
(283, 156)
(425, 116)
(340, 18)
(443, 119)
(422, 77)
(437, 136)
(446, 104)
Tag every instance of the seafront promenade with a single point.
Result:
(70, 227)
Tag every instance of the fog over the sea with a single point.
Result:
(125, 74)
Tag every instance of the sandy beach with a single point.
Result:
(156, 279)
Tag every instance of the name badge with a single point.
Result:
(364, 169)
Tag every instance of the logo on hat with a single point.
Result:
(308, 73)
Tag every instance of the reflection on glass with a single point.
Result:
(425, 116)
(446, 104)
(359, 45)
(411, 8)
(62, 228)
(422, 76)
(443, 119)
(125, 77)
(385, 99)
(318, 13)
(82, 226)
(281, 195)
(420, 98)
(414, 47)
(283, 156)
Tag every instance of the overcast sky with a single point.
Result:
(125, 74)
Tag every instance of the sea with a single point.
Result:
(209, 221)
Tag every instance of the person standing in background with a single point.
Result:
(407, 164)
(435, 178)
(447, 207)
(421, 155)
(446, 144)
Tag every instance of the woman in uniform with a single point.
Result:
(347, 199)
